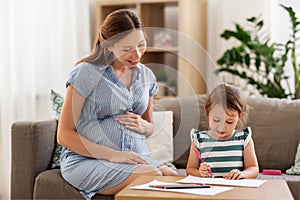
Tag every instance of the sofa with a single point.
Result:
(274, 123)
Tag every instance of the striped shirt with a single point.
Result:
(222, 155)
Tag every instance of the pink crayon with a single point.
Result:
(200, 158)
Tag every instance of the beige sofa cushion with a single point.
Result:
(276, 131)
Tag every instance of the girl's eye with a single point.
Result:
(216, 120)
(229, 122)
(127, 50)
(142, 45)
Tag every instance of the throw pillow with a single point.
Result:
(295, 170)
(56, 104)
(160, 143)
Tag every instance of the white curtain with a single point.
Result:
(40, 43)
(223, 14)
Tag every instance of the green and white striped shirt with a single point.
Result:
(222, 155)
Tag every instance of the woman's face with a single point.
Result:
(129, 50)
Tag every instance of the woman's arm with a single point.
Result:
(68, 137)
(140, 124)
(148, 117)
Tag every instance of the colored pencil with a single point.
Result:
(200, 158)
(179, 186)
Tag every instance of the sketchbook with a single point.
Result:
(198, 191)
(222, 181)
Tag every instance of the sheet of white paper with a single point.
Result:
(199, 191)
(222, 181)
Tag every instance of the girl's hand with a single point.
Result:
(133, 122)
(127, 157)
(235, 174)
(203, 170)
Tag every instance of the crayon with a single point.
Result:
(200, 158)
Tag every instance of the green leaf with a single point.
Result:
(260, 24)
(251, 19)
(259, 61)
(247, 60)
(227, 34)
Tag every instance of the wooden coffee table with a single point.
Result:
(271, 189)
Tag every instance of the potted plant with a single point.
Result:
(262, 63)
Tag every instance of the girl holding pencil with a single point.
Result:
(223, 151)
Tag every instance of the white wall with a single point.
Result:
(223, 15)
(280, 27)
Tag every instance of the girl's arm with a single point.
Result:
(140, 124)
(192, 167)
(250, 161)
(250, 164)
(68, 137)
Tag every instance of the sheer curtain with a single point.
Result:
(40, 42)
(223, 14)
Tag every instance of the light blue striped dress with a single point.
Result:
(106, 97)
(222, 155)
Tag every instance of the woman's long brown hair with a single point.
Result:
(120, 22)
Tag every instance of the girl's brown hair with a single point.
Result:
(230, 98)
(116, 25)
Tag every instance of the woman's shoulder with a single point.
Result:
(84, 77)
(86, 70)
(85, 66)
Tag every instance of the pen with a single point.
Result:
(178, 186)
(199, 156)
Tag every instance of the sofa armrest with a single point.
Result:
(32, 145)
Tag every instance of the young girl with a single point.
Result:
(227, 152)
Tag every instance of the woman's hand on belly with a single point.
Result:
(127, 157)
(133, 122)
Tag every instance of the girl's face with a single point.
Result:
(222, 122)
(129, 50)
